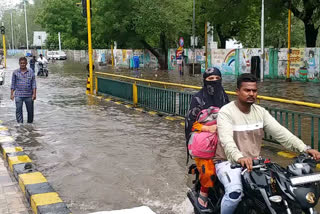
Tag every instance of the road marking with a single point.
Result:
(170, 118)
(6, 139)
(152, 113)
(287, 154)
(3, 128)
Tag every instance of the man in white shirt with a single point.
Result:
(42, 60)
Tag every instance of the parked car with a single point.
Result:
(56, 55)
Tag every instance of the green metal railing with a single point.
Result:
(158, 99)
(304, 125)
(116, 88)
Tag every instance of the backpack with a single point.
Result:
(204, 144)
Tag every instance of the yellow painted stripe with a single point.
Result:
(180, 118)
(118, 102)
(11, 150)
(30, 178)
(6, 139)
(182, 124)
(152, 113)
(287, 154)
(170, 118)
(100, 97)
(18, 159)
(129, 106)
(139, 109)
(44, 199)
(108, 99)
(3, 128)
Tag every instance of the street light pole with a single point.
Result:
(288, 79)
(193, 33)
(90, 46)
(25, 20)
(262, 43)
(12, 32)
(59, 41)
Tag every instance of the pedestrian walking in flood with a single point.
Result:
(32, 63)
(23, 90)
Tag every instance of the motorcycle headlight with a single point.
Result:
(275, 198)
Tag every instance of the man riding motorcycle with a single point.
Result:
(241, 126)
(42, 66)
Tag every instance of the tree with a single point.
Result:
(308, 11)
(65, 17)
(153, 24)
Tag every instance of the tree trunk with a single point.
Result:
(163, 55)
(164, 50)
(311, 34)
(222, 38)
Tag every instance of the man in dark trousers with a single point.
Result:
(23, 89)
(33, 63)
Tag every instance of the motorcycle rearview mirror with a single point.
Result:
(275, 198)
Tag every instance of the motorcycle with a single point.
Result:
(43, 71)
(268, 188)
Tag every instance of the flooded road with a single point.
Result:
(101, 156)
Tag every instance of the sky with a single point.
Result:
(11, 3)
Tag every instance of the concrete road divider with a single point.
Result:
(39, 193)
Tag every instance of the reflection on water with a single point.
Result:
(102, 156)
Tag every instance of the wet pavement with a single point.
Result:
(101, 156)
(12, 200)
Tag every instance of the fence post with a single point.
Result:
(96, 83)
(271, 63)
(135, 93)
(237, 65)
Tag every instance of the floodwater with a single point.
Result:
(101, 156)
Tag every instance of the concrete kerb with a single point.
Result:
(38, 192)
(285, 154)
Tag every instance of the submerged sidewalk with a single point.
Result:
(12, 200)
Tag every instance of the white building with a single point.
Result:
(39, 38)
(232, 44)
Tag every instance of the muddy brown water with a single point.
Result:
(101, 156)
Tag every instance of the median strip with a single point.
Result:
(38, 192)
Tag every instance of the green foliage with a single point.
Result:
(65, 17)
(19, 24)
(158, 24)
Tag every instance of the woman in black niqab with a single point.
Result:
(211, 94)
